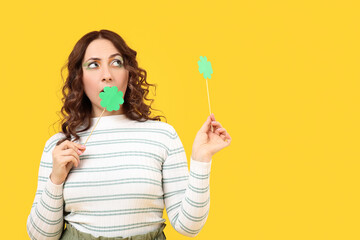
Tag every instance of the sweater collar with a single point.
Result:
(111, 119)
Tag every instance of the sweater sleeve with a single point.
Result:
(186, 195)
(45, 220)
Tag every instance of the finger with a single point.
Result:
(63, 145)
(220, 131)
(69, 166)
(71, 159)
(228, 138)
(212, 117)
(217, 132)
(206, 126)
(69, 144)
(80, 146)
(223, 134)
(216, 124)
(72, 145)
(71, 152)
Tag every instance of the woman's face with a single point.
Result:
(103, 66)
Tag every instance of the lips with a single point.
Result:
(103, 88)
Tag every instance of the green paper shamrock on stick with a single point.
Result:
(111, 98)
(111, 101)
(206, 69)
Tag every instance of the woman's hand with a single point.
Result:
(207, 143)
(65, 156)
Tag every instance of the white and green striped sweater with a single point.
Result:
(129, 172)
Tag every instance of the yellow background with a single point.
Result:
(285, 86)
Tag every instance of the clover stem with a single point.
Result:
(94, 127)
(209, 102)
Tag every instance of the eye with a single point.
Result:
(91, 64)
(119, 62)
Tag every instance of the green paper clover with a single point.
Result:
(205, 67)
(111, 98)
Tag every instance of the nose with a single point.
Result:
(106, 75)
(106, 79)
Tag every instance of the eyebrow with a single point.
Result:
(112, 55)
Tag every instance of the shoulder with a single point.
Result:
(160, 125)
(51, 142)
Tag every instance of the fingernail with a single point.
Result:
(79, 152)
(83, 146)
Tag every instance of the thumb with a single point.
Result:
(206, 126)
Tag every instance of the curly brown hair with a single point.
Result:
(76, 109)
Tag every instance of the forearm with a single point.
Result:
(192, 213)
(45, 220)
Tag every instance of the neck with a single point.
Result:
(108, 120)
(102, 112)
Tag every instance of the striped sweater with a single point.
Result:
(128, 173)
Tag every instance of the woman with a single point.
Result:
(133, 165)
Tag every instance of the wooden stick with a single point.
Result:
(207, 88)
(94, 127)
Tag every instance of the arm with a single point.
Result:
(45, 220)
(186, 195)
